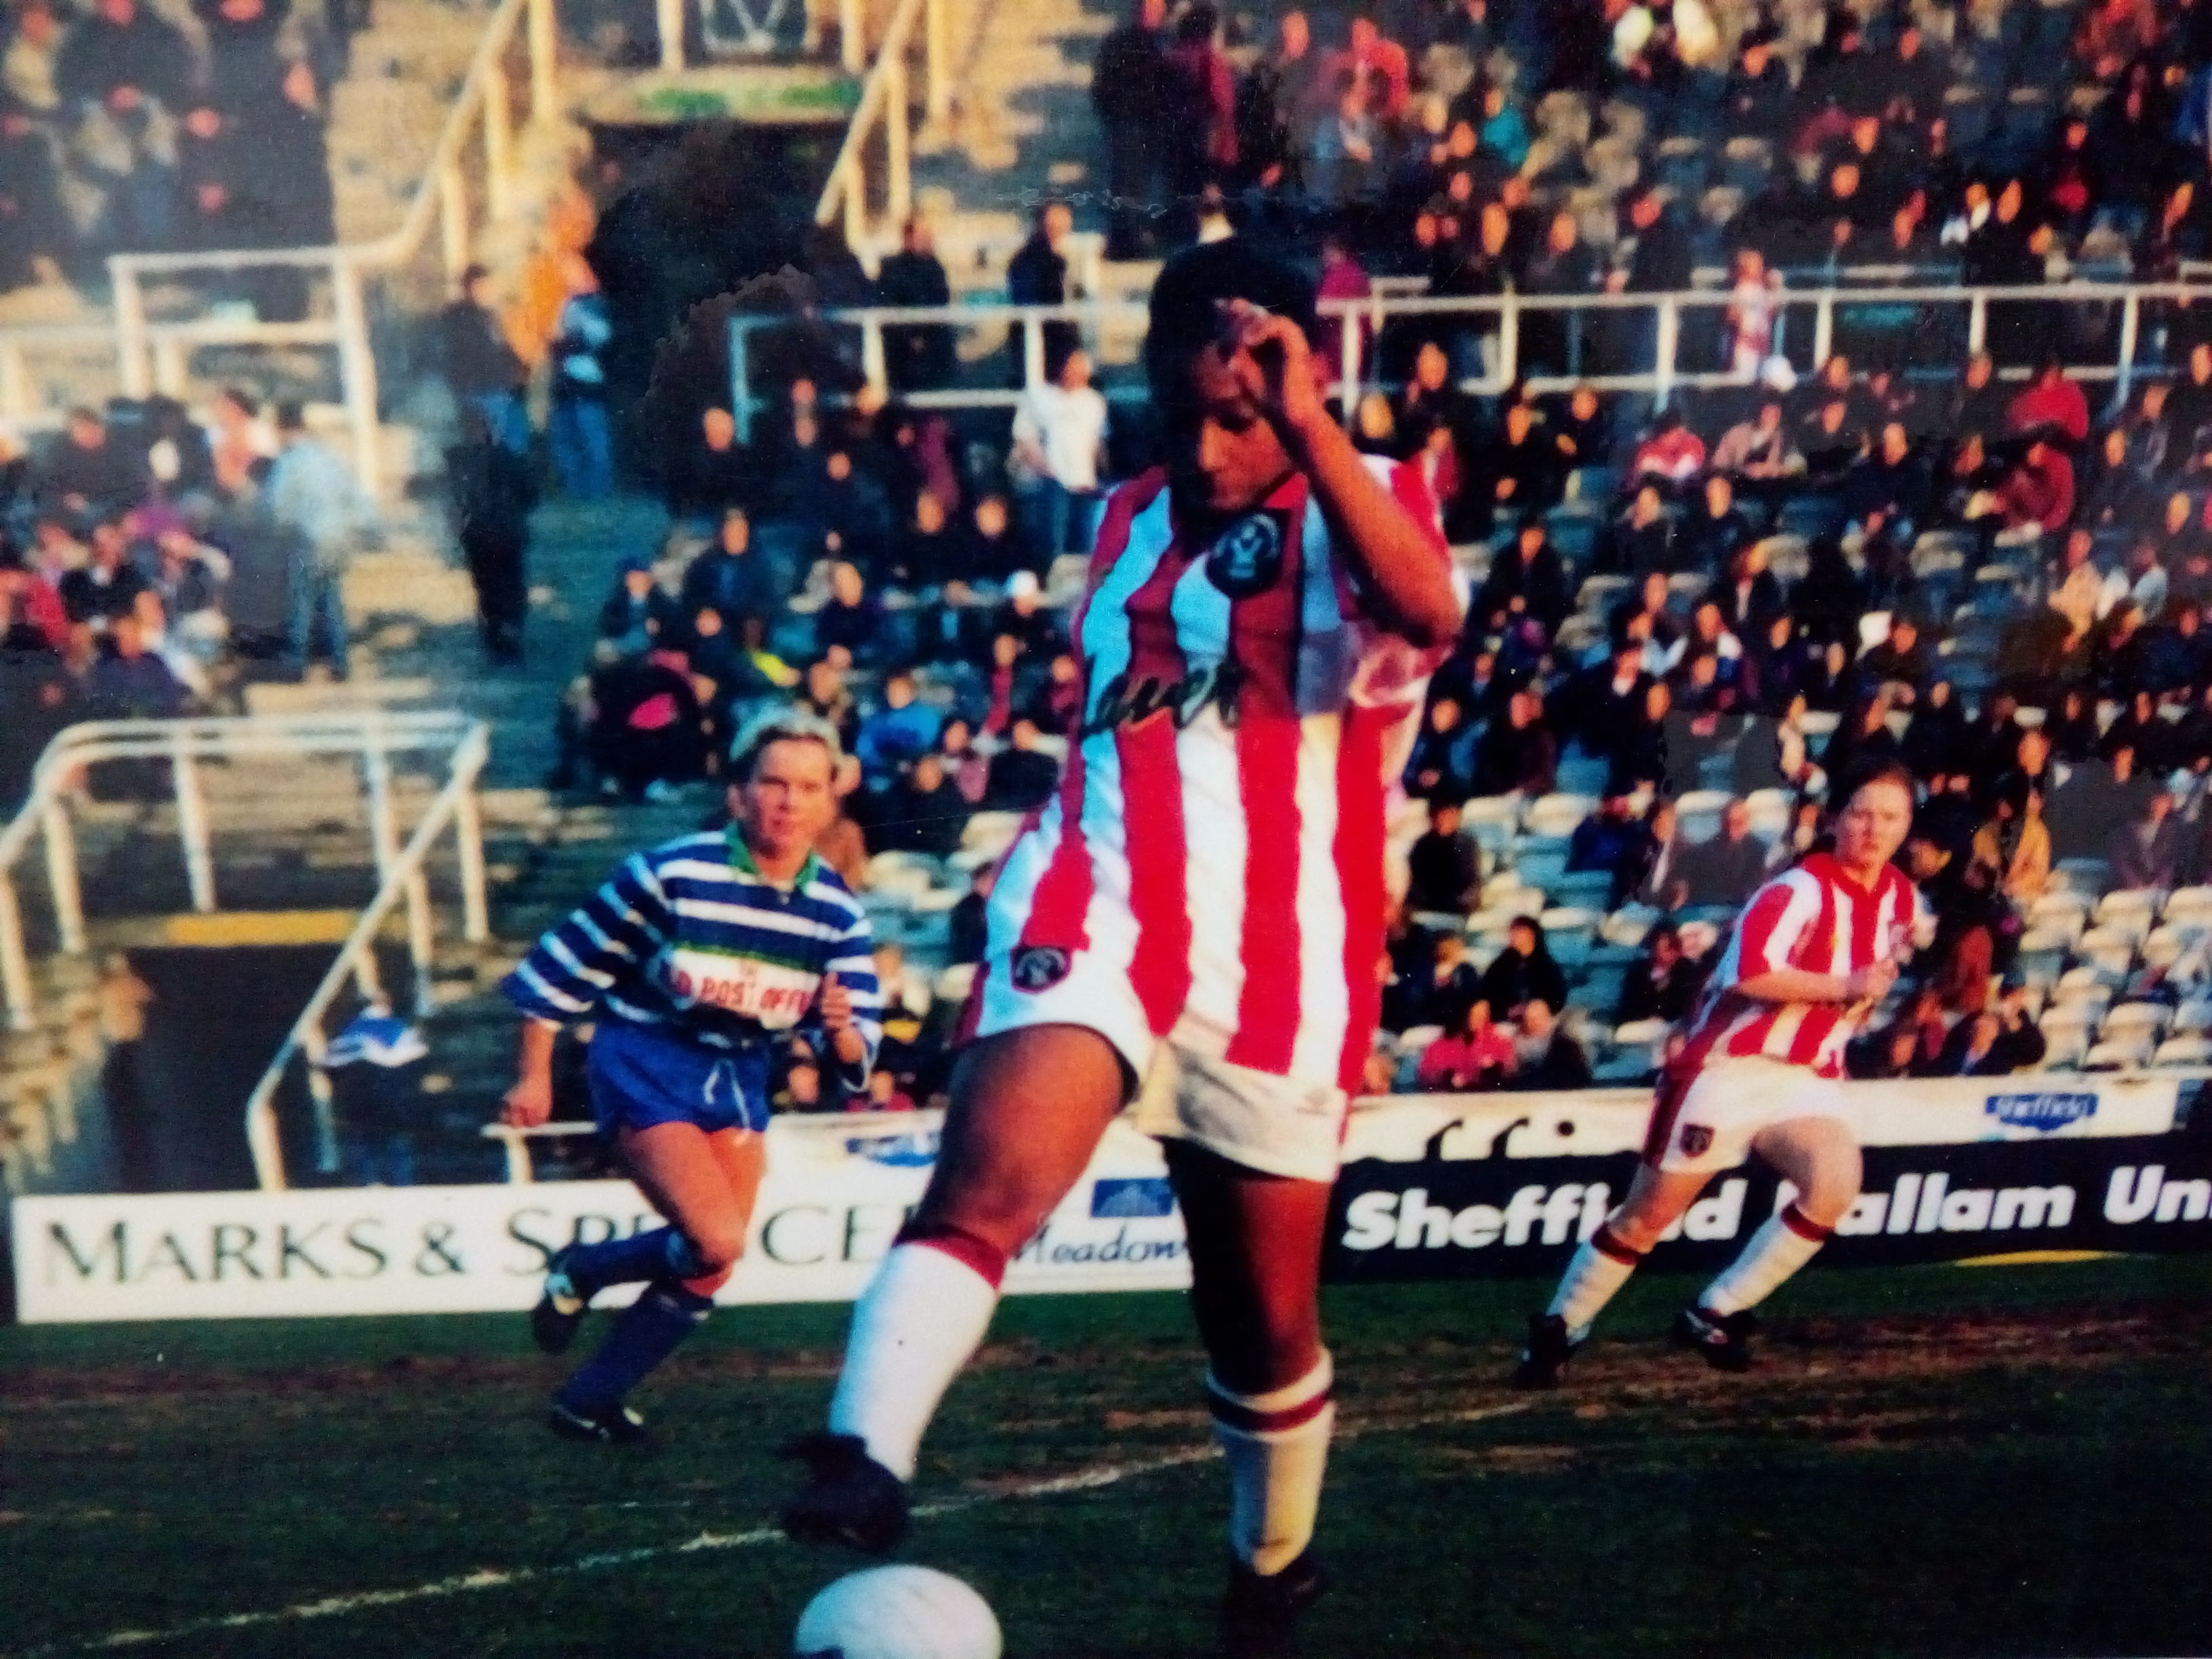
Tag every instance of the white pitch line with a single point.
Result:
(490, 1579)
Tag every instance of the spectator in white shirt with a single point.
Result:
(1059, 442)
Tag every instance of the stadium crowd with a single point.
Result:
(147, 562)
(127, 128)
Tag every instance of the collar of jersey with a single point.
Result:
(741, 860)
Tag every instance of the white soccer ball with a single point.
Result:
(898, 1613)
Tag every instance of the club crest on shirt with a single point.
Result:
(1697, 1140)
(1037, 968)
(1247, 558)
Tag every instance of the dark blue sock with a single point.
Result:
(649, 1330)
(592, 1267)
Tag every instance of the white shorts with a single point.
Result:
(1707, 1123)
(1277, 1125)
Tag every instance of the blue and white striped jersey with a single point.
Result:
(689, 937)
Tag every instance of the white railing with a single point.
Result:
(403, 881)
(372, 735)
(152, 354)
(886, 103)
(1501, 319)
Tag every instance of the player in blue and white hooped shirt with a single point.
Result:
(695, 959)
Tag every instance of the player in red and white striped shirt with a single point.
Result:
(1195, 921)
(1813, 951)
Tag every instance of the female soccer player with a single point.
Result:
(1194, 921)
(694, 959)
(1817, 947)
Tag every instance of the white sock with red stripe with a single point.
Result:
(1596, 1275)
(921, 1319)
(1277, 1444)
(1785, 1244)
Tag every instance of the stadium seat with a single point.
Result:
(1698, 813)
(1555, 817)
(2190, 909)
(1626, 926)
(2128, 911)
(1586, 888)
(1770, 813)
(2110, 951)
(954, 983)
(2193, 1016)
(2183, 1051)
(2062, 914)
(2117, 1056)
(2065, 1042)
(2089, 877)
(2136, 1021)
(1570, 926)
(1491, 819)
(2163, 946)
(2081, 990)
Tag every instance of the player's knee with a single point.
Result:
(1637, 1227)
(1828, 1197)
(718, 1244)
(1005, 1208)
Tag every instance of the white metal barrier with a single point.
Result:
(1502, 320)
(886, 103)
(403, 881)
(373, 735)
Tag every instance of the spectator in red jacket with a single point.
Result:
(2040, 489)
(2053, 403)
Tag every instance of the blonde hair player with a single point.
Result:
(1816, 949)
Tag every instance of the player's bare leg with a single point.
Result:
(705, 1183)
(1028, 1109)
(1656, 1201)
(1255, 1246)
(1818, 1156)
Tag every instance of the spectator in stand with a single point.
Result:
(37, 694)
(324, 516)
(1445, 865)
(1545, 1056)
(122, 73)
(1471, 1056)
(1725, 871)
(1551, 340)
(917, 356)
(1663, 983)
(1129, 91)
(1023, 776)
(106, 587)
(638, 611)
(647, 728)
(127, 681)
(482, 369)
(2052, 404)
(1525, 969)
(1754, 302)
(717, 476)
(1517, 754)
(1037, 276)
(923, 811)
(1672, 455)
(582, 441)
(1059, 441)
(1615, 840)
(2015, 847)
(1525, 579)
(1441, 767)
(1713, 530)
(730, 576)
(2147, 853)
(1201, 107)
(2039, 491)
(240, 448)
(1994, 1043)
(34, 229)
(493, 489)
(88, 473)
(1641, 541)
(900, 733)
(971, 931)
(853, 618)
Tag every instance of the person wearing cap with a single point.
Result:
(698, 962)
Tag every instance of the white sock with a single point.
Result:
(1779, 1248)
(921, 1317)
(1593, 1278)
(1277, 1444)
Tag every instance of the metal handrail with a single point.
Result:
(1366, 317)
(401, 880)
(373, 734)
(884, 101)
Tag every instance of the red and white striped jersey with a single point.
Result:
(1816, 918)
(1219, 830)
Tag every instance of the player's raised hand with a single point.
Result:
(1870, 983)
(836, 1006)
(530, 1103)
(1275, 366)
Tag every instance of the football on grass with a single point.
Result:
(898, 1613)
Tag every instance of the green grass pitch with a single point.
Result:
(1928, 1462)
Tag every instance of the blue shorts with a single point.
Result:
(641, 1078)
